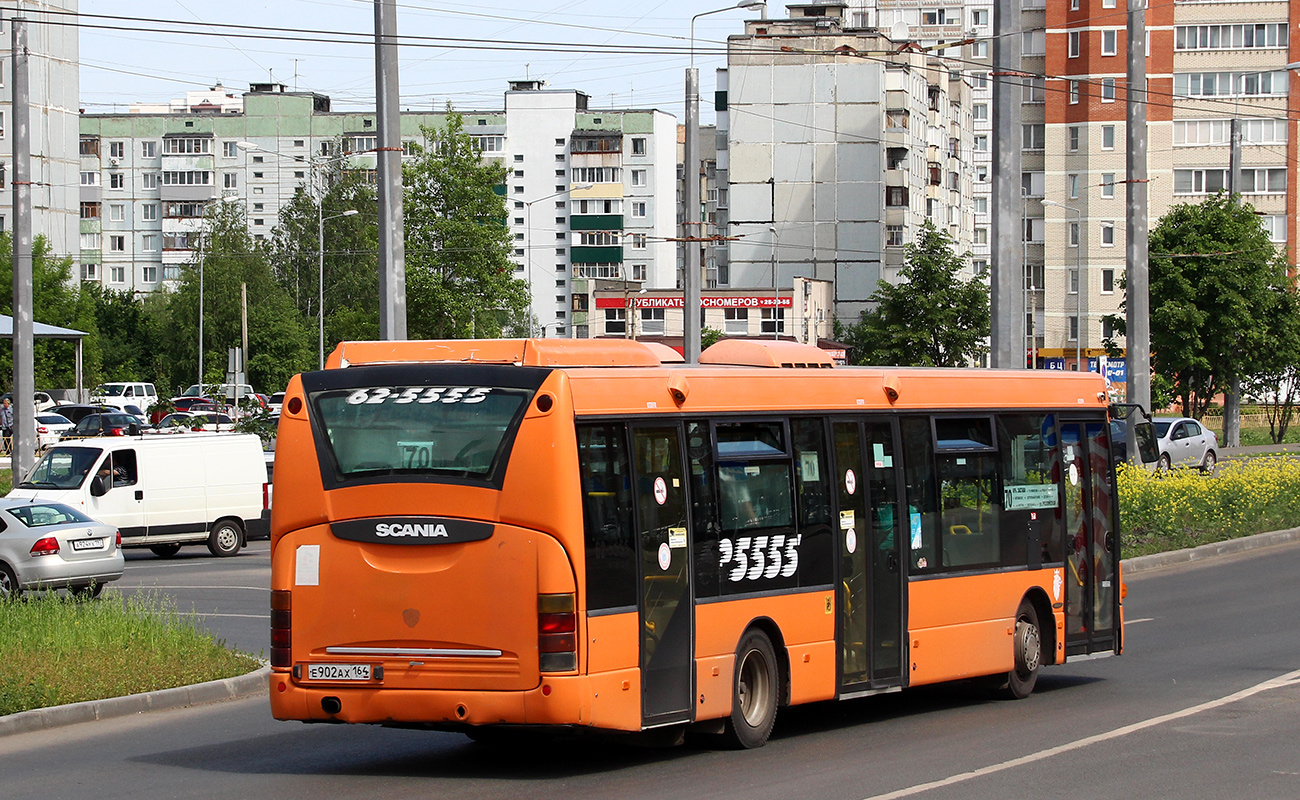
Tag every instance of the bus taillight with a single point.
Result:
(557, 633)
(281, 618)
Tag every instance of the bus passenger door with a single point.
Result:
(870, 590)
(1091, 601)
(666, 606)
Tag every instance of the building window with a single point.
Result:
(116, 180)
(117, 243)
(117, 212)
(148, 149)
(1230, 84)
(773, 321)
(150, 274)
(1072, 185)
(980, 111)
(638, 209)
(1108, 184)
(229, 149)
(149, 243)
(1033, 135)
(1074, 138)
(187, 178)
(979, 266)
(185, 146)
(896, 196)
(1034, 229)
(89, 210)
(117, 274)
(1074, 92)
(1230, 37)
(90, 179)
(638, 145)
(116, 149)
(981, 144)
(90, 241)
(1033, 90)
(1107, 234)
(979, 80)
(639, 177)
(1073, 281)
(1108, 281)
(735, 321)
(149, 180)
(652, 320)
(1109, 42)
(230, 180)
(1107, 137)
(1263, 181)
(1074, 330)
(979, 50)
(1074, 234)
(1072, 44)
(1107, 90)
(981, 235)
(1200, 181)
(894, 235)
(1032, 184)
(1275, 226)
(979, 17)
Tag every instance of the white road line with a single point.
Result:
(1273, 683)
(1136, 621)
(214, 614)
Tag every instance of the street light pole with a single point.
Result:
(230, 199)
(528, 243)
(776, 294)
(320, 269)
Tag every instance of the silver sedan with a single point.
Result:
(1186, 442)
(53, 546)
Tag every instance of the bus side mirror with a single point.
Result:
(99, 486)
(1148, 450)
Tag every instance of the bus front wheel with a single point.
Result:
(1028, 652)
(755, 692)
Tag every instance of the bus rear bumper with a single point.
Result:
(557, 700)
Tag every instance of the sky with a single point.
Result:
(621, 54)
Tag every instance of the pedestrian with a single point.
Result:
(7, 425)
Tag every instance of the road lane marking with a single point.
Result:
(1273, 683)
(194, 586)
(214, 614)
(1136, 621)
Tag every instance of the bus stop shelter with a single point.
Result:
(43, 331)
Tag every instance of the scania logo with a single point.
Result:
(412, 530)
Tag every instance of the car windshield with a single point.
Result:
(39, 515)
(61, 468)
(110, 389)
(1162, 428)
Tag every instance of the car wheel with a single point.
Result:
(9, 588)
(755, 692)
(1210, 461)
(226, 538)
(1028, 653)
(1165, 464)
(87, 592)
(165, 550)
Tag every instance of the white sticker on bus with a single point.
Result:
(752, 557)
(661, 491)
(306, 567)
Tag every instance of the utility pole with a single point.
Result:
(1008, 294)
(392, 248)
(1232, 397)
(1137, 273)
(691, 248)
(24, 440)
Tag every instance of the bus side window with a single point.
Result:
(923, 516)
(812, 484)
(604, 469)
(1030, 463)
(704, 508)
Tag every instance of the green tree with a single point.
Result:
(1275, 380)
(351, 285)
(459, 276)
(930, 317)
(1216, 284)
(279, 342)
(56, 300)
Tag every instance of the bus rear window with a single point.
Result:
(453, 431)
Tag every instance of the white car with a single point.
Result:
(51, 426)
(1186, 442)
(48, 545)
(195, 421)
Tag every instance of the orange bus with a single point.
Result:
(468, 535)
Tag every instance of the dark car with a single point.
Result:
(113, 423)
(188, 403)
(75, 412)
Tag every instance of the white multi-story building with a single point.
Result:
(54, 86)
(581, 191)
(836, 155)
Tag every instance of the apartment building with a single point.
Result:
(582, 186)
(53, 88)
(839, 146)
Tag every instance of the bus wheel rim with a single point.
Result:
(754, 688)
(1030, 647)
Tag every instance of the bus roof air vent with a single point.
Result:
(766, 353)
(521, 352)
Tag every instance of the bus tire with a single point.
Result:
(755, 692)
(1028, 646)
(226, 538)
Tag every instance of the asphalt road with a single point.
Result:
(1204, 704)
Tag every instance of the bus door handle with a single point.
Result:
(139, 494)
(891, 562)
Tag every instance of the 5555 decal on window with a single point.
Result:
(754, 557)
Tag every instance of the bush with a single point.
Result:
(1184, 508)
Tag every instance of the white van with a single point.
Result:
(162, 491)
(121, 395)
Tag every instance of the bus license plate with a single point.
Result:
(338, 672)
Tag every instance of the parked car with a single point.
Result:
(188, 403)
(119, 395)
(49, 427)
(276, 401)
(42, 400)
(195, 421)
(49, 545)
(75, 412)
(114, 423)
(1185, 442)
(220, 390)
(136, 412)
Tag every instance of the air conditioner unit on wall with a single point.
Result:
(113, 162)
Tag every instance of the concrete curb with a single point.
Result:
(1140, 564)
(39, 719)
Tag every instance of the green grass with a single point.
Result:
(56, 650)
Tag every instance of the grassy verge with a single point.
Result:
(1185, 508)
(55, 650)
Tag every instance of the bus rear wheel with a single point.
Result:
(755, 692)
(1028, 653)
